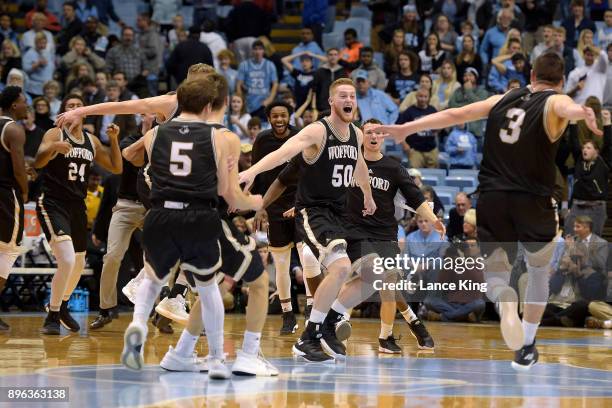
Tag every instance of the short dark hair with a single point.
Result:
(69, 3)
(350, 31)
(366, 49)
(254, 121)
(67, 98)
(222, 89)
(373, 121)
(549, 67)
(9, 96)
(277, 104)
(194, 94)
(86, 81)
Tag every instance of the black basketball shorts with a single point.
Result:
(188, 238)
(281, 233)
(322, 230)
(506, 218)
(63, 220)
(240, 258)
(11, 220)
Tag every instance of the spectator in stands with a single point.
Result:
(213, 40)
(586, 39)
(51, 24)
(101, 79)
(601, 315)
(445, 85)
(226, 59)
(163, 13)
(51, 89)
(254, 127)
(246, 157)
(352, 47)
(126, 57)
(421, 147)
(424, 242)
(462, 147)
(576, 23)
(10, 57)
(92, 94)
(178, 26)
(257, 77)
(94, 196)
(324, 77)
(410, 99)
(469, 92)
(314, 15)
(467, 30)
(446, 33)
(6, 29)
(570, 55)
(590, 189)
(106, 9)
(590, 79)
(468, 57)
(77, 71)
(372, 102)
(71, 27)
(604, 33)
(121, 79)
(17, 77)
(496, 36)
(520, 69)
(405, 80)
(456, 215)
(432, 55)
(152, 47)
(307, 44)
(34, 134)
(204, 10)
(187, 53)
(497, 82)
(94, 39)
(244, 24)
(127, 123)
(39, 21)
(238, 118)
(376, 75)
(81, 54)
(86, 9)
(392, 52)
(547, 43)
(43, 113)
(304, 76)
(412, 27)
(39, 65)
(607, 100)
(538, 14)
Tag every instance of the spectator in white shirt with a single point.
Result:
(39, 22)
(589, 80)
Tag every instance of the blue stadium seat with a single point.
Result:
(439, 173)
(333, 40)
(452, 191)
(431, 181)
(447, 200)
(466, 183)
(393, 149)
(379, 59)
(361, 11)
(363, 26)
(463, 172)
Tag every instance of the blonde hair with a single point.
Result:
(339, 82)
(451, 86)
(74, 40)
(227, 54)
(582, 45)
(199, 68)
(504, 49)
(268, 47)
(16, 51)
(470, 217)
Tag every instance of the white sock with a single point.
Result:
(212, 316)
(286, 306)
(409, 315)
(146, 295)
(186, 344)
(385, 330)
(309, 300)
(251, 342)
(529, 331)
(337, 306)
(140, 275)
(316, 316)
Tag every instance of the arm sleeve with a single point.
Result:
(289, 175)
(410, 191)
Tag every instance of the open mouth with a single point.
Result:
(348, 109)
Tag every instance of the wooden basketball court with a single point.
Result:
(470, 367)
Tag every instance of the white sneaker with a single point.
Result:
(248, 364)
(133, 346)
(509, 320)
(129, 290)
(217, 369)
(172, 361)
(174, 309)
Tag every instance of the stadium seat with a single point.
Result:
(333, 40)
(393, 149)
(466, 183)
(379, 59)
(452, 191)
(431, 181)
(439, 173)
(361, 11)
(363, 26)
(447, 200)
(339, 27)
(463, 173)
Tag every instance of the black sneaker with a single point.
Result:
(101, 321)
(420, 333)
(66, 320)
(4, 326)
(290, 324)
(51, 325)
(525, 357)
(309, 345)
(307, 311)
(163, 324)
(329, 341)
(389, 346)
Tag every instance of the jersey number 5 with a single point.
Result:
(74, 172)
(511, 130)
(180, 164)
(342, 178)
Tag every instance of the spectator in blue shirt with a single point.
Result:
(86, 9)
(257, 77)
(6, 29)
(374, 103)
(307, 45)
(461, 146)
(576, 23)
(426, 244)
(39, 65)
(495, 36)
(501, 65)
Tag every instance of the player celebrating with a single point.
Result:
(331, 149)
(13, 180)
(516, 181)
(66, 158)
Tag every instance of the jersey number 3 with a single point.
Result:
(180, 164)
(512, 127)
(342, 175)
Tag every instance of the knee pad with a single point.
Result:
(310, 263)
(542, 257)
(337, 251)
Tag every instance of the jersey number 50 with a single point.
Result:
(342, 175)
(511, 130)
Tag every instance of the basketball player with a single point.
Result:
(13, 180)
(188, 171)
(281, 231)
(66, 158)
(331, 149)
(516, 181)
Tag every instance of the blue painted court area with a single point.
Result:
(112, 385)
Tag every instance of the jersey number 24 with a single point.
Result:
(511, 130)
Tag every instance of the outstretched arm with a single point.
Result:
(440, 120)
(565, 108)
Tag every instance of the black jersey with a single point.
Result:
(183, 164)
(387, 177)
(7, 175)
(129, 178)
(518, 155)
(264, 144)
(176, 111)
(325, 179)
(65, 176)
(290, 175)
